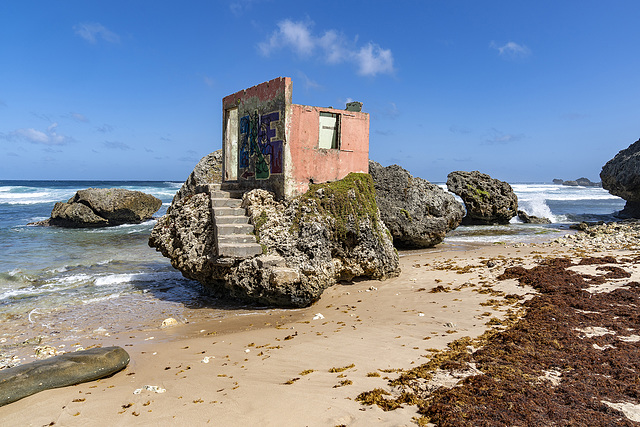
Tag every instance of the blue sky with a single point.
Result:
(523, 91)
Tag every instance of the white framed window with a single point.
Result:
(329, 135)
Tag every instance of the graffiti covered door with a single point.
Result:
(231, 144)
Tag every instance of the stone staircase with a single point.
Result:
(234, 234)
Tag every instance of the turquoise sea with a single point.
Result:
(109, 279)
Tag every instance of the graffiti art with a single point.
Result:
(257, 144)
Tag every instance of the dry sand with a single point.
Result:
(300, 367)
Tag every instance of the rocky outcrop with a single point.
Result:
(530, 219)
(488, 200)
(331, 233)
(102, 207)
(417, 213)
(207, 171)
(621, 177)
(580, 182)
(586, 182)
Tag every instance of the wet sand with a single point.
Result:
(298, 367)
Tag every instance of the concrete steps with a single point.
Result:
(234, 234)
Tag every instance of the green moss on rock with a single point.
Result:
(349, 200)
(478, 193)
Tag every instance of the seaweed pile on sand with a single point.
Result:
(571, 359)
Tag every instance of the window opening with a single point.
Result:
(329, 135)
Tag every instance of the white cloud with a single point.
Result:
(307, 82)
(79, 117)
(208, 81)
(333, 48)
(372, 59)
(295, 35)
(511, 50)
(33, 135)
(50, 137)
(92, 31)
(496, 136)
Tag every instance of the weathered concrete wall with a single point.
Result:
(308, 162)
(262, 138)
(277, 141)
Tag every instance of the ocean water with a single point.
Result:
(85, 280)
(563, 205)
(109, 279)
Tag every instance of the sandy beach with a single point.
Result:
(306, 367)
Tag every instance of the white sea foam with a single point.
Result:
(560, 192)
(16, 195)
(73, 279)
(115, 279)
(537, 206)
(8, 293)
(61, 269)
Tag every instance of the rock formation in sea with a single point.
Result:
(580, 182)
(488, 200)
(207, 171)
(331, 233)
(102, 207)
(621, 177)
(530, 219)
(417, 213)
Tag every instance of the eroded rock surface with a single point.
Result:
(331, 233)
(488, 200)
(417, 213)
(531, 219)
(207, 171)
(621, 177)
(101, 207)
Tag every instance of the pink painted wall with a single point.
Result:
(288, 157)
(308, 162)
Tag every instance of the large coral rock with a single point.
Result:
(99, 207)
(75, 213)
(331, 233)
(417, 213)
(488, 200)
(621, 177)
(207, 171)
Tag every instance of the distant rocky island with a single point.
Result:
(580, 182)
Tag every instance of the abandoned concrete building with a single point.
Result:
(273, 144)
